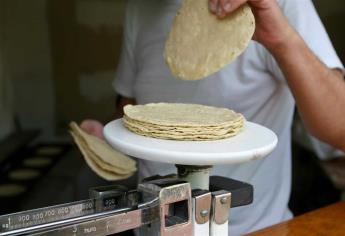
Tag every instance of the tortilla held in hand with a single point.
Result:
(199, 44)
(101, 158)
(179, 121)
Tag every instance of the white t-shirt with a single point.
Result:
(252, 85)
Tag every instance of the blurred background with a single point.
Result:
(57, 61)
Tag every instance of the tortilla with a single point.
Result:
(197, 137)
(10, 190)
(182, 121)
(170, 128)
(199, 44)
(182, 115)
(23, 174)
(101, 158)
(107, 175)
(37, 162)
(49, 151)
(104, 151)
(94, 157)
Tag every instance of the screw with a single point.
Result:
(204, 213)
(223, 200)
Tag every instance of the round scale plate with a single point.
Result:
(253, 142)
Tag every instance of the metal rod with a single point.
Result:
(197, 176)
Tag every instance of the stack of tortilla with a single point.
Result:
(182, 121)
(101, 158)
(200, 44)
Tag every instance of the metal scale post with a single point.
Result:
(212, 199)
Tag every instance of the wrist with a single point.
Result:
(288, 42)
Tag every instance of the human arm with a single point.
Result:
(319, 91)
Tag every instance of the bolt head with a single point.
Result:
(204, 213)
(223, 200)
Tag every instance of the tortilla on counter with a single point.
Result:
(199, 44)
(23, 174)
(49, 150)
(11, 190)
(37, 161)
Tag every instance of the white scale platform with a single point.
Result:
(195, 158)
(252, 143)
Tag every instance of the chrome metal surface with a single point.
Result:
(175, 205)
(115, 211)
(221, 202)
(204, 213)
(35, 227)
(202, 207)
(160, 206)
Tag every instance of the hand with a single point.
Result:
(272, 27)
(93, 127)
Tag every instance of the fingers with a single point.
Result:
(226, 5)
(220, 8)
(223, 7)
(213, 5)
(92, 127)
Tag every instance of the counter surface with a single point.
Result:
(329, 220)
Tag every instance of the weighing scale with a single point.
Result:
(189, 203)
